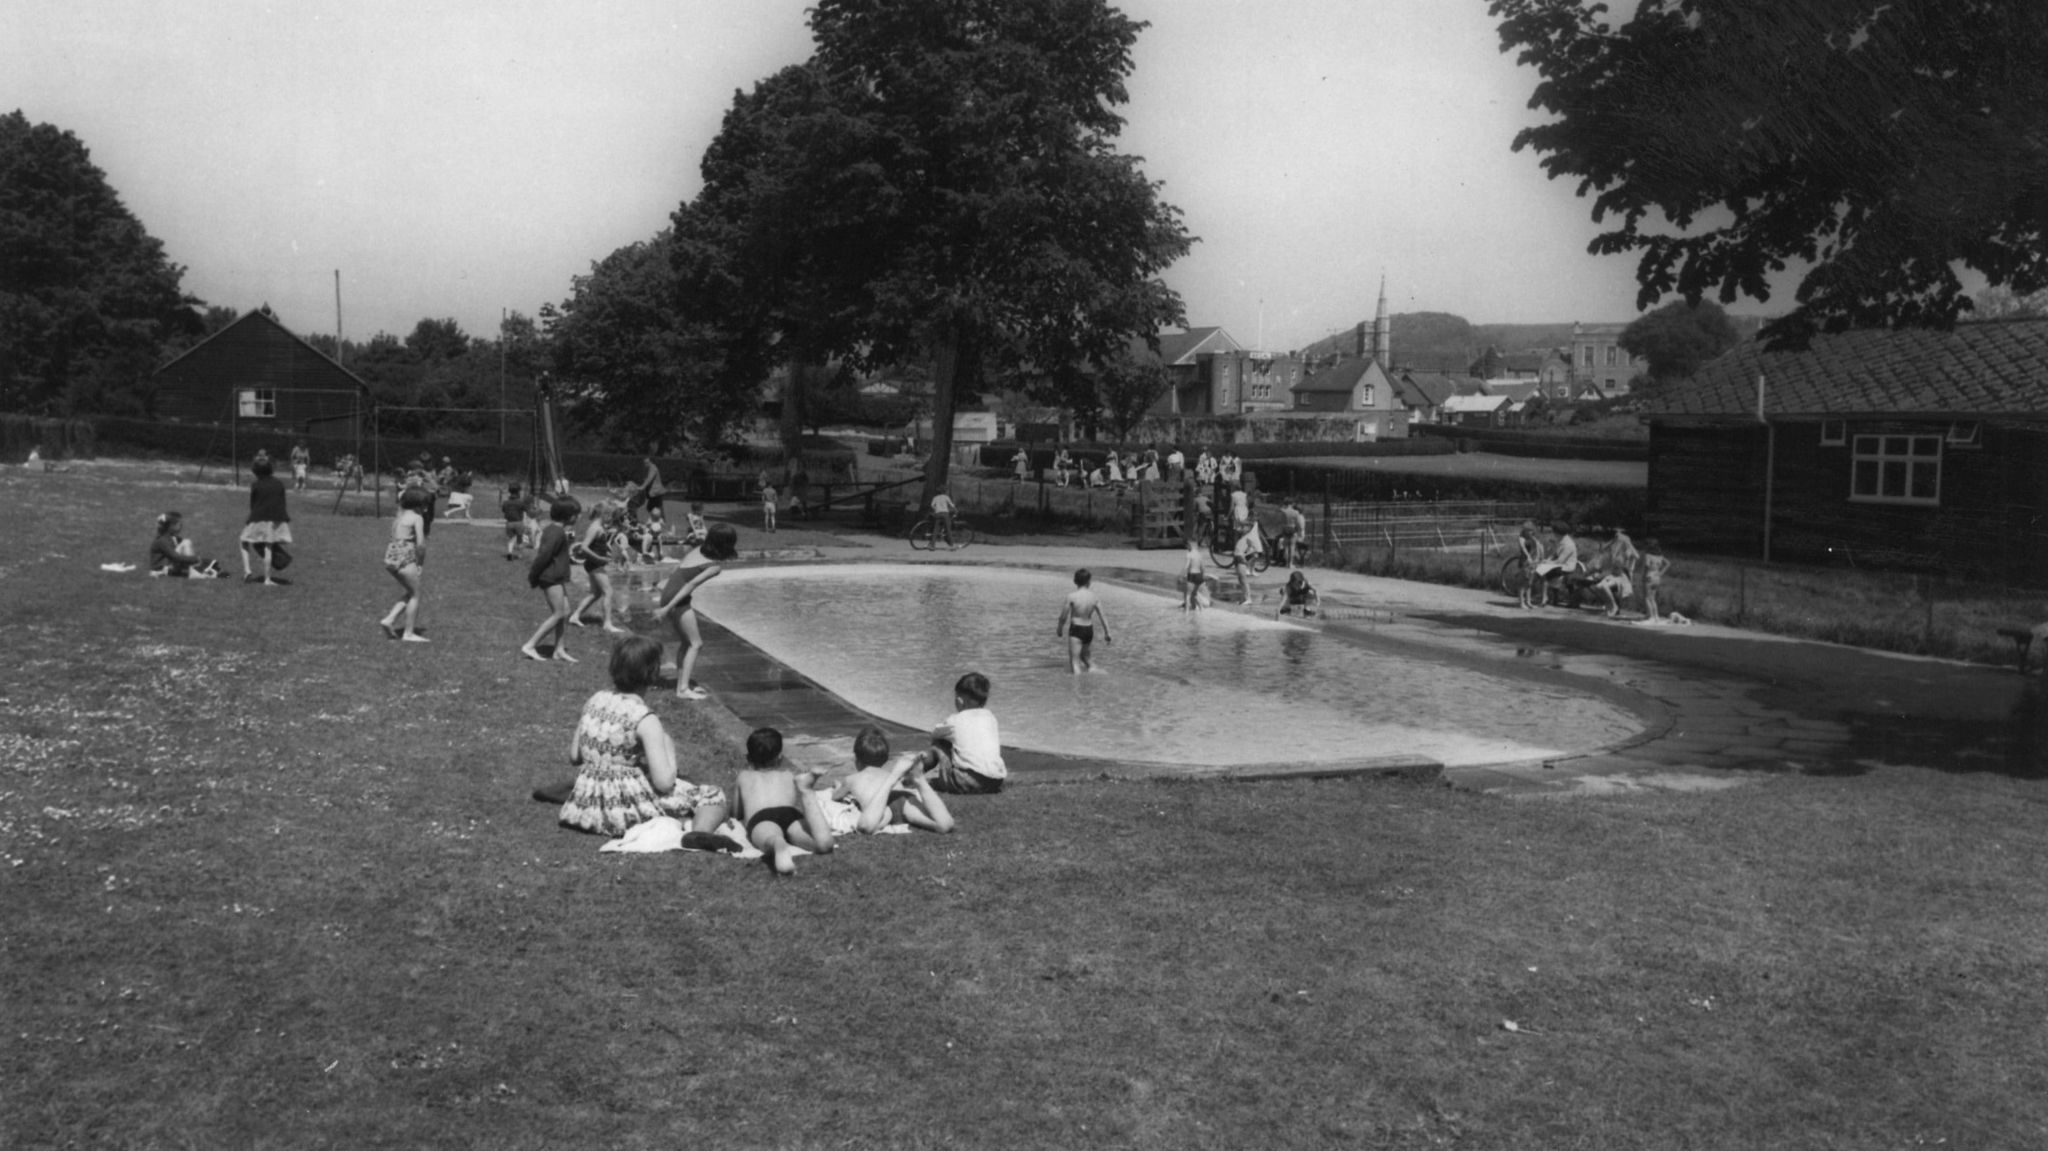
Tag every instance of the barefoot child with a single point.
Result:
(778, 806)
(1298, 598)
(886, 791)
(767, 506)
(966, 755)
(699, 567)
(1654, 566)
(405, 557)
(1191, 575)
(1078, 621)
(594, 549)
(626, 763)
(549, 572)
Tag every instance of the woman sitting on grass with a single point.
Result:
(626, 763)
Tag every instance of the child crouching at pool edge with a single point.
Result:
(966, 755)
(778, 806)
(886, 791)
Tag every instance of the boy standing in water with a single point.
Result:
(1078, 621)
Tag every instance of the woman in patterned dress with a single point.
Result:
(626, 765)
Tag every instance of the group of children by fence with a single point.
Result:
(1557, 566)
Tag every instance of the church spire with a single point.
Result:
(1383, 331)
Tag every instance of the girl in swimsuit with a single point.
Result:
(699, 567)
(595, 550)
(405, 557)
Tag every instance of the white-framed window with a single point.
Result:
(1896, 469)
(1834, 433)
(258, 403)
(1365, 396)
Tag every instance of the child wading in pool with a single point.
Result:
(1078, 621)
(885, 791)
(966, 755)
(1192, 574)
(779, 807)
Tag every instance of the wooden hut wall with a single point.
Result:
(1706, 493)
(1706, 489)
(310, 390)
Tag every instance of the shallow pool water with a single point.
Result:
(1216, 688)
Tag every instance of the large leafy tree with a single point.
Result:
(1678, 337)
(940, 181)
(1880, 144)
(87, 298)
(634, 366)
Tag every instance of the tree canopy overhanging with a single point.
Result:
(1879, 143)
(938, 181)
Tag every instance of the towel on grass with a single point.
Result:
(665, 833)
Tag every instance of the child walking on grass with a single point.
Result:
(549, 572)
(517, 528)
(778, 806)
(405, 557)
(886, 791)
(767, 506)
(595, 550)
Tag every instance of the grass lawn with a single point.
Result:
(273, 881)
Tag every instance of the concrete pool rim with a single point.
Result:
(1653, 718)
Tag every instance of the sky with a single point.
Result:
(463, 159)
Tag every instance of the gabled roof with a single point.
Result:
(1984, 367)
(1516, 390)
(1413, 396)
(260, 317)
(1475, 403)
(1180, 348)
(1340, 377)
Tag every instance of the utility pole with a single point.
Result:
(503, 319)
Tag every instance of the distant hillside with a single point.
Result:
(1440, 341)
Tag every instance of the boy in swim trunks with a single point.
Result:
(885, 792)
(778, 806)
(1192, 575)
(966, 755)
(1078, 621)
(513, 508)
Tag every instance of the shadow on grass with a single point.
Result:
(2015, 746)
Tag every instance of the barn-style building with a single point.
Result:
(257, 374)
(1911, 449)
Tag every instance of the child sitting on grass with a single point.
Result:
(966, 755)
(888, 791)
(626, 763)
(171, 554)
(778, 806)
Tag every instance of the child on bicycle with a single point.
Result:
(942, 517)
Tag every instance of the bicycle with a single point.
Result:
(1223, 551)
(926, 536)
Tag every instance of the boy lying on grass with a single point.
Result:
(885, 792)
(778, 806)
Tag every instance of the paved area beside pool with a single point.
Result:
(1721, 706)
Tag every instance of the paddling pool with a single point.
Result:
(1216, 688)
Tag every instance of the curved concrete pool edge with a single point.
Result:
(757, 689)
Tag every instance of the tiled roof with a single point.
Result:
(1176, 347)
(1341, 377)
(1986, 367)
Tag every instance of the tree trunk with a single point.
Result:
(955, 360)
(795, 402)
